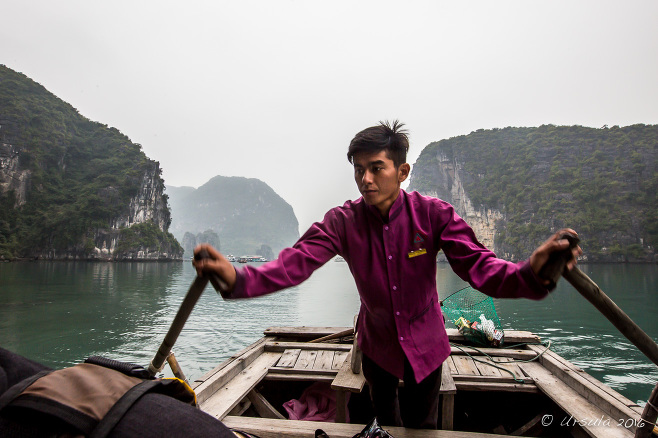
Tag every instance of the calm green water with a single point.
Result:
(58, 313)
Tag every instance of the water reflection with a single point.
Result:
(61, 312)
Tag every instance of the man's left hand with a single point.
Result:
(540, 256)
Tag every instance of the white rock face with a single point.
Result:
(147, 205)
(451, 189)
(11, 177)
(483, 221)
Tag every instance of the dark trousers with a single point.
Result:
(417, 406)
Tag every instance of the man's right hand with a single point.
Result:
(214, 263)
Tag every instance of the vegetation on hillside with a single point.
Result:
(244, 212)
(82, 173)
(601, 182)
(147, 236)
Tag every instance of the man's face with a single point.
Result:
(378, 180)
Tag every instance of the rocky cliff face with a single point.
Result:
(517, 186)
(442, 178)
(12, 177)
(71, 188)
(148, 206)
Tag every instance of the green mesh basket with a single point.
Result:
(473, 306)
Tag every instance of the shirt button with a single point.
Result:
(390, 257)
(402, 338)
(397, 313)
(386, 228)
(395, 288)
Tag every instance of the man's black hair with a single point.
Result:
(383, 137)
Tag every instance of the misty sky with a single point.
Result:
(275, 90)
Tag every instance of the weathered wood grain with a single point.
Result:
(262, 406)
(288, 358)
(346, 380)
(270, 428)
(465, 365)
(324, 360)
(579, 410)
(229, 395)
(306, 360)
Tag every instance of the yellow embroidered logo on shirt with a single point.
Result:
(416, 253)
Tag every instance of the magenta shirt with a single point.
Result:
(394, 266)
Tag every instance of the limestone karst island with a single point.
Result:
(74, 189)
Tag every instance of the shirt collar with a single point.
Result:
(395, 208)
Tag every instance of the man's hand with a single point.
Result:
(540, 256)
(215, 262)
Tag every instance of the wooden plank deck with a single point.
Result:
(231, 388)
(465, 370)
(269, 428)
(298, 361)
(496, 373)
(481, 373)
(321, 362)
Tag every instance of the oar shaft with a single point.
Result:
(649, 416)
(179, 321)
(587, 288)
(337, 335)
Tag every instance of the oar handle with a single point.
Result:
(184, 311)
(217, 282)
(179, 321)
(557, 261)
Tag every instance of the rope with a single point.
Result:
(493, 361)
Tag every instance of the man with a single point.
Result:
(390, 239)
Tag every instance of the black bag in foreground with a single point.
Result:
(97, 398)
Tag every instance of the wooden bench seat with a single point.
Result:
(345, 382)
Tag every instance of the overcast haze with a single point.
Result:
(275, 90)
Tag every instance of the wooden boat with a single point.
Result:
(526, 390)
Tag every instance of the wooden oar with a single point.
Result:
(593, 293)
(184, 311)
(348, 332)
(649, 416)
